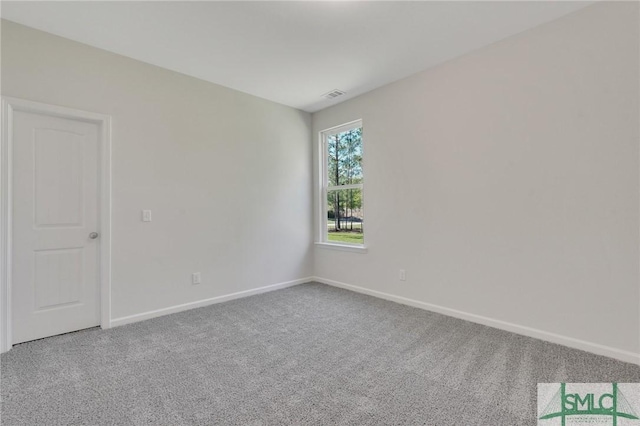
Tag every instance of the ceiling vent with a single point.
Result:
(333, 94)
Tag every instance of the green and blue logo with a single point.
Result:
(588, 403)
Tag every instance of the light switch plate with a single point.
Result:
(146, 215)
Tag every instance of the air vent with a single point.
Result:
(333, 94)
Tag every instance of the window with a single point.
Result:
(342, 180)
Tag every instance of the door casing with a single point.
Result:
(9, 105)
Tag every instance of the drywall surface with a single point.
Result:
(226, 175)
(506, 182)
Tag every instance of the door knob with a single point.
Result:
(93, 235)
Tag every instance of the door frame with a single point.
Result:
(9, 106)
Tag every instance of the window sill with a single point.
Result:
(342, 247)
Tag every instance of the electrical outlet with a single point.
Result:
(196, 278)
(402, 275)
(146, 215)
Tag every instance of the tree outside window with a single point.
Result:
(343, 185)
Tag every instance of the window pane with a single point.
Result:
(345, 221)
(344, 158)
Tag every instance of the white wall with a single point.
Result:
(227, 175)
(506, 182)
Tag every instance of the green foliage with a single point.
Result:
(345, 199)
(345, 158)
(346, 237)
(344, 154)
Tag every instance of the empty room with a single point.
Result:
(320, 213)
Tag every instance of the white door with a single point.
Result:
(55, 286)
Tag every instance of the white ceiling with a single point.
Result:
(289, 52)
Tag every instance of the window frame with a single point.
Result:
(324, 188)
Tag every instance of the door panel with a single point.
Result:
(58, 277)
(58, 178)
(55, 285)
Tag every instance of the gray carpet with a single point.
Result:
(310, 354)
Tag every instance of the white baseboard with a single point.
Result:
(502, 325)
(206, 302)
